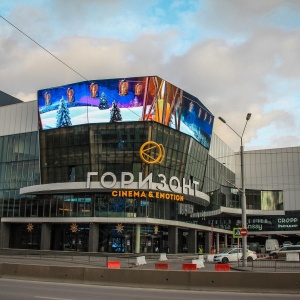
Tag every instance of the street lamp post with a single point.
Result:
(244, 206)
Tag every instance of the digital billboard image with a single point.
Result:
(148, 98)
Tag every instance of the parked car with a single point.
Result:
(287, 243)
(282, 252)
(234, 254)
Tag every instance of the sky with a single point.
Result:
(236, 56)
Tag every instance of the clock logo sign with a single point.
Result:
(152, 153)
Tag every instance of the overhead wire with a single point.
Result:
(72, 69)
(61, 61)
(44, 48)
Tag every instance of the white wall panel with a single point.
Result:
(275, 169)
(7, 127)
(32, 117)
(2, 122)
(24, 117)
(18, 118)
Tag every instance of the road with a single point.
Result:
(36, 290)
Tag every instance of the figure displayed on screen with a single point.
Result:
(70, 94)
(94, 90)
(191, 106)
(190, 115)
(123, 88)
(200, 112)
(47, 98)
(138, 89)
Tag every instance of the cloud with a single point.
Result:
(242, 16)
(235, 56)
(280, 142)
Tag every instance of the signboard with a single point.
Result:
(289, 222)
(125, 99)
(236, 232)
(243, 232)
(143, 187)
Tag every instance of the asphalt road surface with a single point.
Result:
(36, 290)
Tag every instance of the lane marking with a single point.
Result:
(39, 297)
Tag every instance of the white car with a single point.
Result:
(234, 254)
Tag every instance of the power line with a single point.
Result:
(73, 68)
(44, 48)
(54, 55)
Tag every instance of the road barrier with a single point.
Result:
(222, 267)
(113, 265)
(292, 257)
(189, 267)
(199, 263)
(163, 257)
(210, 258)
(140, 260)
(161, 266)
(258, 282)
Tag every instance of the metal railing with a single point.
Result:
(96, 259)
(56, 259)
(275, 265)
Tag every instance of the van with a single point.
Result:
(272, 245)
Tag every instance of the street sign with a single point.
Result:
(243, 232)
(237, 233)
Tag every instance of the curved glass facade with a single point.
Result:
(67, 154)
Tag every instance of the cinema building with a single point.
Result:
(131, 165)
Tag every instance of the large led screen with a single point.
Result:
(125, 99)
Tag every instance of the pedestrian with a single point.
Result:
(200, 250)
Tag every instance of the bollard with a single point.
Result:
(163, 257)
(199, 263)
(140, 260)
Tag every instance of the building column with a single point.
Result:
(4, 235)
(217, 246)
(137, 238)
(173, 239)
(231, 240)
(94, 237)
(208, 242)
(225, 241)
(192, 241)
(45, 236)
